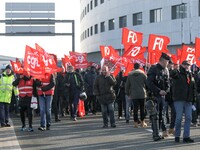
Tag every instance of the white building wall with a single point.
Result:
(116, 8)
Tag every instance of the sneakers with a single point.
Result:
(30, 130)
(171, 131)
(177, 139)
(135, 125)
(57, 120)
(42, 128)
(188, 140)
(5, 125)
(23, 128)
(74, 119)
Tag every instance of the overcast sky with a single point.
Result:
(59, 45)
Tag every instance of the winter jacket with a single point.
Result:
(103, 89)
(183, 88)
(135, 84)
(89, 82)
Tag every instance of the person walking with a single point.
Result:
(103, 89)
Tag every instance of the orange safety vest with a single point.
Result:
(45, 82)
(25, 88)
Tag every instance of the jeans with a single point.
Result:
(129, 103)
(180, 107)
(4, 113)
(45, 110)
(74, 100)
(108, 108)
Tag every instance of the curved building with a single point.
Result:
(102, 22)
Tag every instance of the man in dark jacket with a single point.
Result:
(75, 84)
(90, 102)
(184, 95)
(103, 89)
(158, 83)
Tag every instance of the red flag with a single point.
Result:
(108, 52)
(158, 43)
(33, 64)
(130, 37)
(134, 51)
(188, 53)
(50, 65)
(17, 67)
(197, 48)
(129, 68)
(175, 59)
(80, 59)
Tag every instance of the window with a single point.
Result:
(96, 29)
(85, 34)
(156, 15)
(91, 31)
(102, 1)
(91, 4)
(88, 32)
(111, 24)
(88, 8)
(102, 26)
(137, 18)
(85, 10)
(122, 21)
(95, 3)
(179, 11)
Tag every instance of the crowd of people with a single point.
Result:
(151, 92)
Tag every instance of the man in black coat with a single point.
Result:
(158, 84)
(103, 89)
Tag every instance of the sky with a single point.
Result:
(59, 45)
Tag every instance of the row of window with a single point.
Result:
(177, 12)
(90, 6)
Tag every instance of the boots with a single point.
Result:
(143, 124)
(171, 131)
(135, 125)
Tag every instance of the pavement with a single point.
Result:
(87, 134)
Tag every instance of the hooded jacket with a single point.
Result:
(135, 84)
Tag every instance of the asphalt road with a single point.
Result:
(87, 134)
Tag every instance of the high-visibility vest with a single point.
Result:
(6, 88)
(45, 82)
(25, 88)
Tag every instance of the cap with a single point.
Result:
(185, 62)
(8, 67)
(165, 56)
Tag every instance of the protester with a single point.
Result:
(6, 88)
(27, 89)
(103, 89)
(75, 84)
(90, 103)
(184, 95)
(45, 89)
(136, 90)
(158, 83)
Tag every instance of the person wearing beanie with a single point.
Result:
(6, 88)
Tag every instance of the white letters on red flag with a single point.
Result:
(17, 67)
(158, 43)
(130, 37)
(188, 53)
(66, 61)
(134, 51)
(80, 59)
(108, 52)
(49, 62)
(33, 63)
